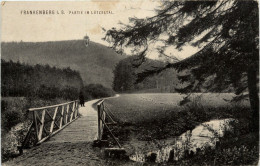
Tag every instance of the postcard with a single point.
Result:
(140, 82)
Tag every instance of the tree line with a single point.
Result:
(39, 81)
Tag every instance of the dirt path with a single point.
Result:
(71, 146)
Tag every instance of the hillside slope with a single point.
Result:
(95, 62)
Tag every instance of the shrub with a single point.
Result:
(93, 91)
(12, 118)
(11, 113)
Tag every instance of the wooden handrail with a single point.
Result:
(101, 101)
(51, 106)
(42, 129)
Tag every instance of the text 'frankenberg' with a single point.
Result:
(72, 12)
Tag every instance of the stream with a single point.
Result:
(187, 144)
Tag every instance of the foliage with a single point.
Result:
(94, 91)
(67, 93)
(238, 146)
(39, 81)
(125, 77)
(10, 115)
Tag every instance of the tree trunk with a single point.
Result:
(253, 95)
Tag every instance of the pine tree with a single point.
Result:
(226, 31)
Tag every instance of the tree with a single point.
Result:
(225, 31)
(124, 76)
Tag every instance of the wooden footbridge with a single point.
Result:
(62, 129)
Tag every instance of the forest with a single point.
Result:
(39, 81)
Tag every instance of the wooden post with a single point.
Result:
(53, 119)
(72, 113)
(61, 119)
(77, 109)
(99, 131)
(67, 111)
(103, 117)
(36, 126)
(41, 126)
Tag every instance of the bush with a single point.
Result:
(94, 91)
(11, 114)
(12, 118)
(238, 146)
(67, 93)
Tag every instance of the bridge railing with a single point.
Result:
(105, 118)
(47, 121)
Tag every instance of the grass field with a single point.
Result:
(135, 108)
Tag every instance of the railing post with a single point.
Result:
(53, 119)
(67, 112)
(76, 109)
(72, 113)
(102, 117)
(61, 119)
(99, 131)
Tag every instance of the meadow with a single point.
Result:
(143, 107)
(151, 121)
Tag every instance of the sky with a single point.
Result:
(16, 25)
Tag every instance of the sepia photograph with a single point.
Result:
(130, 83)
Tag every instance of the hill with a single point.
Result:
(95, 62)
